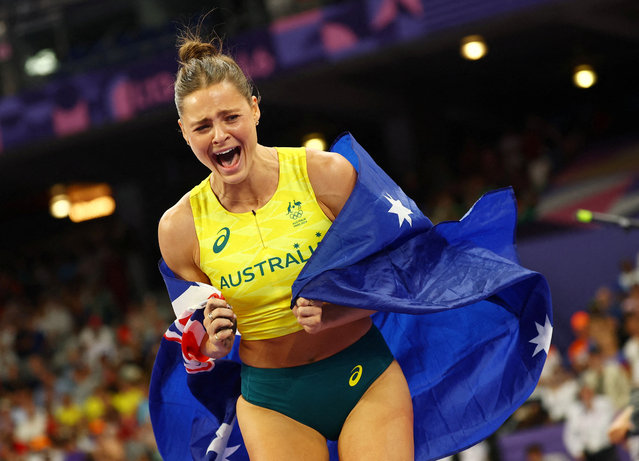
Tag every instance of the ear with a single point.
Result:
(256, 109)
(183, 132)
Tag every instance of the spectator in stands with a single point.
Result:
(630, 348)
(6, 427)
(8, 357)
(54, 320)
(68, 412)
(586, 428)
(631, 302)
(108, 445)
(29, 340)
(628, 275)
(97, 340)
(606, 374)
(623, 429)
(30, 420)
(578, 349)
(607, 315)
(557, 388)
(605, 304)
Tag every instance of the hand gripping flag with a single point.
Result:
(470, 362)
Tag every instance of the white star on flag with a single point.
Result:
(544, 335)
(219, 443)
(400, 210)
(228, 451)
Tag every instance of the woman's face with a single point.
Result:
(219, 125)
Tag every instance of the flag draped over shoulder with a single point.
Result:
(470, 363)
(478, 354)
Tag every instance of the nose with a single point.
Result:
(219, 135)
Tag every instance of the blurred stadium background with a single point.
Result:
(86, 113)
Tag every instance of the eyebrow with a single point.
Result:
(220, 113)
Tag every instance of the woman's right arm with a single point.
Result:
(180, 250)
(178, 242)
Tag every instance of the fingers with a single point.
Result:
(220, 323)
(307, 307)
(309, 314)
(303, 302)
(223, 337)
(219, 319)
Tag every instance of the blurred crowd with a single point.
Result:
(596, 379)
(77, 345)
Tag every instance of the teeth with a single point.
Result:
(225, 152)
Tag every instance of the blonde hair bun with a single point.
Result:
(195, 49)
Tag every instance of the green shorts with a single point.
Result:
(320, 394)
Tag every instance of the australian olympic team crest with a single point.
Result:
(294, 211)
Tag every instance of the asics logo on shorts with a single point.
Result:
(356, 374)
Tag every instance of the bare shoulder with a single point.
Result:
(178, 241)
(332, 177)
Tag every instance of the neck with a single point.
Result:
(258, 187)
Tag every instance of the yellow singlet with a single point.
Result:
(254, 257)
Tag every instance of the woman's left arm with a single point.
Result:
(333, 179)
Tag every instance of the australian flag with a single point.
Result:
(468, 324)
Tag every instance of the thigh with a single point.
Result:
(272, 436)
(380, 427)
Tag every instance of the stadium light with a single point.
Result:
(81, 202)
(473, 47)
(59, 203)
(314, 141)
(44, 62)
(92, 209)
(584, 76)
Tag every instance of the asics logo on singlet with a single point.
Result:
(356, 374)
(222, 240)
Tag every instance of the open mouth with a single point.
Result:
(228, 157)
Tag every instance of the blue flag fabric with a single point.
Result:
(470, 363)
